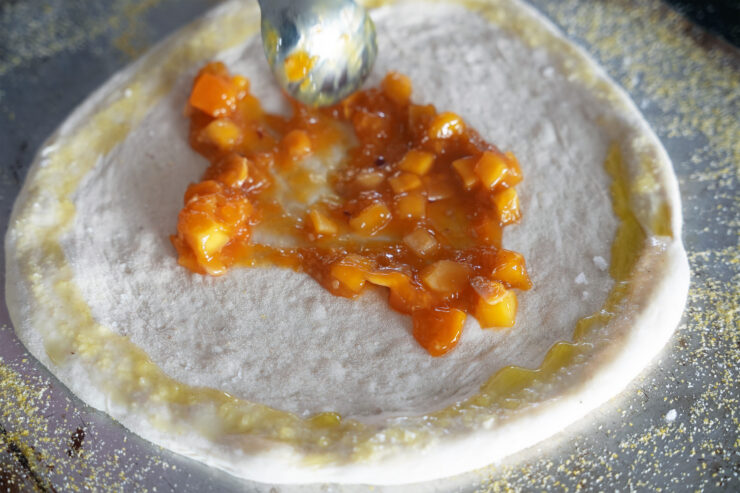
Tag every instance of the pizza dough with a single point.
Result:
(262, 370)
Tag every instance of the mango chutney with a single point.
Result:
(417, 206)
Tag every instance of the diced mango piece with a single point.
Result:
(438, 330)
(499, 314)
(206, 187)
(421, 242)
(369, 179)
(465, 168)
(438, 187)
(507, 206)
(445, 125)
(371, 219)
(349, 277)
(397, 87)
(411, 206)
(213, 95)
(488, 230)
(416, 161)
(204, 235)
(213, 241)
(235, 171)
(322, 224)
(405, 182)
(297, 144)
(350, 273)
(404, 295)
(223, 133)
(213, 215)
(445, 277)
(491, 169)
(214, 68)
(514, 173)
(241, 85)
(231, 170)
(511, 270)
(407, 298)
(488, 290)
(250, 107)
(389, 279)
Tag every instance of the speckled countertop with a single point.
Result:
(677, 428)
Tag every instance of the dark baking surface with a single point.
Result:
(676, 428)
(721, 17)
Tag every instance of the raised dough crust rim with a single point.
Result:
(599, 364)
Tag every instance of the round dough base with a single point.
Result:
(92, 250)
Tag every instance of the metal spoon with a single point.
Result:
(320, 51)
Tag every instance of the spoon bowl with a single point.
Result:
(320, 51)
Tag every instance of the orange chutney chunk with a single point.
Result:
(438, 329)
(500, 313)
(417, 206)
(397, 87)
(213, 95)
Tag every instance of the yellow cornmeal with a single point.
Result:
(132, 375)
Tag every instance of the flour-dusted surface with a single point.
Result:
(277, 337)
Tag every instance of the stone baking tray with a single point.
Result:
(675, 428)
